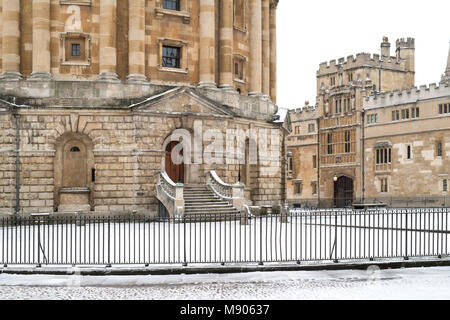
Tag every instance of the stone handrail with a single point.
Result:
(234, 194)
(170, 195)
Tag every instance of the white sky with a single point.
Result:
(311, 32)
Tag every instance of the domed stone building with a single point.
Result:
(97, 95)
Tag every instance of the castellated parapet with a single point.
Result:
(401, 62)
(304, 113)
(361, 60)
(406, 96)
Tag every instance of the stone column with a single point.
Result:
(41, 40)
(273, 50)
(265, 48)
(136, 41)
(255, 48)
(108, 41)
(11, 41)
(226, 44)
(207, 44)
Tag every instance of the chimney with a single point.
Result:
(385, 48)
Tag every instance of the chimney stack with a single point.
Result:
(385, 48)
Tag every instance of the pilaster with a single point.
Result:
(108, 41)
(11, 41)
(207, 44)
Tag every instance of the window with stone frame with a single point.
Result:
(330, 143)
(439, 148)
(290, 163)
(75, 48)
(298, 187)
(384, 186)
(239, 68)
(173, 56)
(383, 158)
(171, 5)
(314, 187)
(408, 152)
(239, 14)
(347, 142)
(444, 108)
(395, 115)
(311, 128)
(415, 113)
(445, 185)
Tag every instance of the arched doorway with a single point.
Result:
(174, 170)
(343, 192)
(74, 172)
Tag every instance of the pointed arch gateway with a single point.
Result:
(343, 192)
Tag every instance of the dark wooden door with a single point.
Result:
(343, 192)
(174, 171)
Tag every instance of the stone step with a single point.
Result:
(204, 203)
(212, 211)
(201, 198)
(212, 206)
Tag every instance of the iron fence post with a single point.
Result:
(406, 236)
(39, 243)
(109, 244)
(184, 243)
(335, 238)
(260, 241)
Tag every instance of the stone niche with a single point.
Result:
(74, 183)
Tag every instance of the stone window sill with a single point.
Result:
(186, 16)
(76, 2)
(239, 81)
(76, 63)
(176, 70)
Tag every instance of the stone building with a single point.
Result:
(91, 92)
(302, 163)
(354, 131)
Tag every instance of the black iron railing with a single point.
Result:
(301, 235)
(390, 202)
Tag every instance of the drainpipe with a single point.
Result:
(17, 207)
(363, 156)
(318, 162)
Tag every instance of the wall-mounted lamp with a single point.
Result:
(335, 178)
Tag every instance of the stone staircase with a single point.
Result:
(202, 204)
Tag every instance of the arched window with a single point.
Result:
(75, 149)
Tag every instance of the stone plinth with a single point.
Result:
(74, 199)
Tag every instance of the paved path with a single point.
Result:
(420, 283)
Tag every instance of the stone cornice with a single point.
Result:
(273, 4)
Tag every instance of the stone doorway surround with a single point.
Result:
(73, 172)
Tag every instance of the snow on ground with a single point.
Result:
(418, 283)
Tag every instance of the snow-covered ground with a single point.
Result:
(419, 283)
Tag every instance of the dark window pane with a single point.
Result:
(76, 50)
(171, 57)
(171, 4)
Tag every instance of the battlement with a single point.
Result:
(361, 60)
(406, 96)
(304, 113)
(400, 62)
(409, 43)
